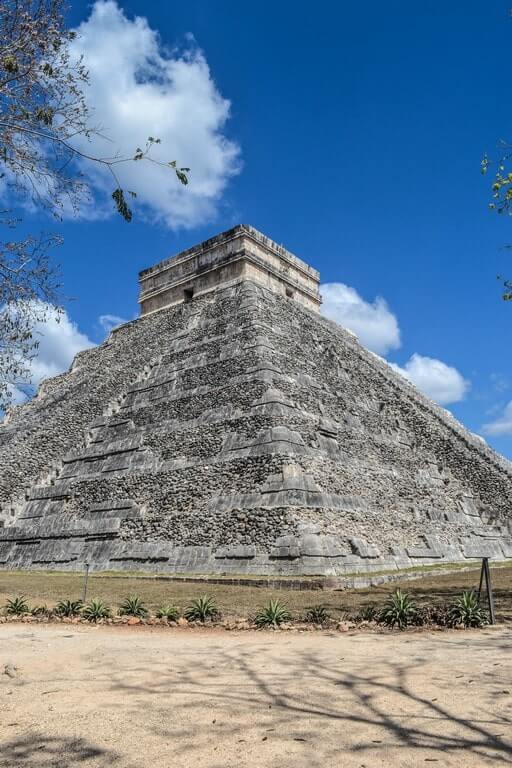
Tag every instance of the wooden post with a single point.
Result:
(486, 573)
(86, 579)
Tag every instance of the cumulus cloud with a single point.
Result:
(373, 322)
(108, 322)
(59, 341)
(502, 425)
(377, 328)
(439, 381)
(139, 88)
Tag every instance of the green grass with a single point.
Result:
(48, 587)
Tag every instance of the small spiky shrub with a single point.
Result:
(17, 606)
(69, 608)
(41, 611)
(96, 609)
(272, 615)
(466, 611)
(368, 612)
(133, 606)
(318, 614)
(399, 610)
(201, 609)
(169, 612)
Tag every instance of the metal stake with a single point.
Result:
(486, 573)
(86, 579)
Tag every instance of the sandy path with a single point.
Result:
(138, 698)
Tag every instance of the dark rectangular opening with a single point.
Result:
(188, 294)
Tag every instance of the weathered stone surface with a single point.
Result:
(241, 432)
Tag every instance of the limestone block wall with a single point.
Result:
(241, 432)
(241, 253)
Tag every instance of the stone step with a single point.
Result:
(123, 509)
(60, 490)
(59, 527)
(109, 432)
(104, 450)
(41, 507)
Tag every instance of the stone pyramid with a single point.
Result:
(233, 429)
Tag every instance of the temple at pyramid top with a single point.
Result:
(240, 253)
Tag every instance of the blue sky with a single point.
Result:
(353, 135)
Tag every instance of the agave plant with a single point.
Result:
(95, 610)
(17, 606)
(169, 612)
(398, 610)
(201, 609)
(467, 611)
(318, 614)
(41, 610)
(272, 615)
(133, 606)
(69, 608)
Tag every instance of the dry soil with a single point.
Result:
(133, 697)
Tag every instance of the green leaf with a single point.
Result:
(121, 205)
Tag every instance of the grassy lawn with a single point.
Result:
(44, 587)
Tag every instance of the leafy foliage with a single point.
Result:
(501, 190)
(399, 610)
(17, 606)
(121, 204)
(507, 284)
(169, 612)
(502, 184)
(318, 614)
(43, 108)
(95, 610)
(133, 606)
(28, 286)
(69, 608)
(41, 611)
(272, 615)
(42, 111)
(201, 609)
(42, 103)
(467, 611)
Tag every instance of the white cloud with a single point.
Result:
(373, 322)
(502, 425)
(378, 329)
(108, 322)
(59, 341)
(139, 88)
(439, 381)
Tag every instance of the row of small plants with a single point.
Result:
(399, 611)
(202, 609)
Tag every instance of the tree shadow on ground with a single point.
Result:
(335, 707)
(39, 751)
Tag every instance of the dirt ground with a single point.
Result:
(133, 697)
(49, 587)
